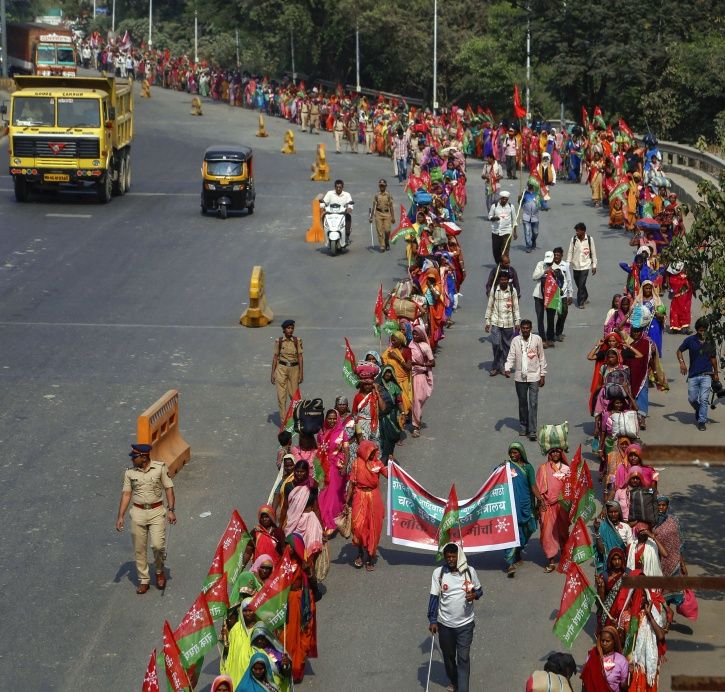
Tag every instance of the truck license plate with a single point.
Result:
(56, 177)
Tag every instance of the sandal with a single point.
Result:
(358, 562)
(550, 568)
(370, 567)
(511, 571)
(415, 433)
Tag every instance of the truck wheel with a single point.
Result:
(22, 190)
(127, 181)
(105, 189)
(119, 187)
(250, 208)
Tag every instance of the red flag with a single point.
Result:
(216, 569)
(270, 602)
(404, 221)
(449, 522)
(288, 420)
(379, 317)
(577, 600)
(348, 366)
(175, 674)
(519, 110)
(151, 679)
(302, 85)
(578, 547)
(625, 128)
(479, 110)
(195, 636)
(217, 597)
(570, 482)
(585, 118)
(392, 314)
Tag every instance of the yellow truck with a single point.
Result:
(71, 132)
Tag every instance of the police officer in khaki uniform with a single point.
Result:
(143, 488)
(287, 366)
(353, 132)
(305, 114)
(338, 130)
(315, 117)
(383, 214)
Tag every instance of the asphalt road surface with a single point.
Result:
(104, 308)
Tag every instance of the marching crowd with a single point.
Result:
(329, 462)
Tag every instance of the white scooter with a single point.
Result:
(334, 225)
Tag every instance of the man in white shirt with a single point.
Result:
(454, 588)
(567, 291)
(502, 216)
(527, 359)
(344, 199)
(492, 174)
(539, 275)
(582, 256)
(502, 317)
(510, 150)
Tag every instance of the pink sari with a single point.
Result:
(331, 446)
(303, 522)
(422, 378)
(554, 520)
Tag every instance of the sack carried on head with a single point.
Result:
(625, 423)
(554, 437)
(642, 505)
(309, 416)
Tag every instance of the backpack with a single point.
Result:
(308, 416)
(642, 505)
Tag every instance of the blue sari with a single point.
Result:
(523, 480)
(611, 539)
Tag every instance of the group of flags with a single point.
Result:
(185, 647)
(578, 596)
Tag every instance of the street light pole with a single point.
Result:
(357, 56)
(236, 31)
(292, 49)
(151, 13)
(4, 45)
(435, 56)
(528, 61)
(196, 37)
(113, 18)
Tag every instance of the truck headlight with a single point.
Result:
(96, 162)
(210, 186)
(16, 162)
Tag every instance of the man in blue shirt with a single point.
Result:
(702, 370)
(454, 588)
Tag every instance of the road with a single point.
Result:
(102, 309)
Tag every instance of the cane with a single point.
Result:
(372, 240)
(430, 661)
(167, 533)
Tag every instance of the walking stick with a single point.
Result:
(430, 661)
(167, 533)
(370, 216)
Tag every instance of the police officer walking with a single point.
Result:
(143, 488)
(287, 366)
(383, 214)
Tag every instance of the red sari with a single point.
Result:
(368, 511)
(681, 305)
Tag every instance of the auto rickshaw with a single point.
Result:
(227, 179)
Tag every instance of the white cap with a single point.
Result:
(548, 257)
(504, 193)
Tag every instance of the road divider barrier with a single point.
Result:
(315, 233)
(196, 106)
(262, 131)
(289, 143)
(145, 89)
(258, 313)
(320, 168)
(158, 426)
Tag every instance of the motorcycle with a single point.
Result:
(334, 225)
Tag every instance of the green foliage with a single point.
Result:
(703, 252)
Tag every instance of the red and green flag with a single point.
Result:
(196, 635)
(578, 547)
(570, 482)
(405, 228)
(270, 603)
(216, 569)
(175, 674)
(552, 293)
(229, 553)
(620, 190)
(151, 678)
(583, 504)
(519, 110)
(217, 597)
(577, 600)
(585, 118)
(598, 119)
(289, 420)
(348, 366)
(378, 316)
(318, 472)
(449, 521)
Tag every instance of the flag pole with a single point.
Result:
(430, 661)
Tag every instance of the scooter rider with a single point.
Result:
(344, 199)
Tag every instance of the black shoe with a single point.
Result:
(532, 437)
(701, 427)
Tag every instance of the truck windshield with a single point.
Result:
(78, 112)
(65, 56)
(33, 110)
(46, 55)
(224, 168)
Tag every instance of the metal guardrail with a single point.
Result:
(691, 162)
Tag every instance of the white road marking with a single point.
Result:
(70, 216)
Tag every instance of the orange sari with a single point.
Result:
(368, 511)
(301, 641)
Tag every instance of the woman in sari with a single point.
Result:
(267, 537)
(609, 588)
(648, 298)
(333, 448)
(643, 619)
(262, 568)
(222, 683)
(259, 676)
(606, 670)
(301, 513)
(264, 642)
(423, 363)
(609, 534)
(550, 479)
(616, 458)
(301, 631)
(596, 168)
(392, 420)
(618, 320)
(667, 532)
(432, 289)
(367, 504)
(371, 400)
(635, 458)
(285, 477)
(399, 357)
(681, 304)
(615, 381)
(527, 496)
(236, 640)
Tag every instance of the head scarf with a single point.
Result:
(655, 299)
(400, 337)
(521, 450)
(260, 562)
(662, 516)
(248, 584)
(367, 372)
(365, 449)
(248, 683)
(268, 509)
(635, 471)
(613, 503)
(420, 331)
(634, 447)
(219, 679)
(613, 553)
(262, 629)
(377, 357)
(612, 631)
